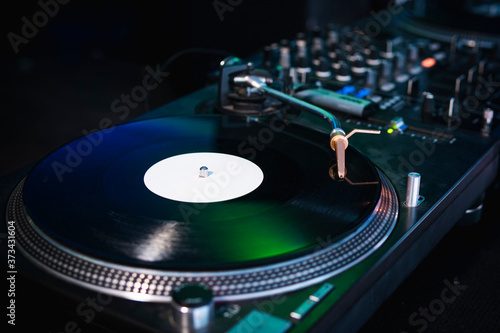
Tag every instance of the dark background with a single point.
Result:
(63, 81)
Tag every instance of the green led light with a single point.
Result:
(390, 130)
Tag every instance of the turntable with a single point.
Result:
(249, 206)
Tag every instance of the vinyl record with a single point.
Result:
(91, 196)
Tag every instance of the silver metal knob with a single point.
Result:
(413, 189)
(193, 306)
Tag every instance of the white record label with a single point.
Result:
(180, 177)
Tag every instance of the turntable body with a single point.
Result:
(299, 250)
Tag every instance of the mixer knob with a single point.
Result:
(451, 113)
(323, 70)
(412, 63)
(333, 38)
(400, 67)
(301, 44)
(342, 72)
(371, 79)
(412, 87)
(428, 108)
(385, 72)
(303, 65)
(303, 69)
(388, 52)
(358, 64)
(482, 67)
(458, 87)
(317, 55)
(411, 54)
(317, 43)
(333, 52)
(285, 61)
(373, 59)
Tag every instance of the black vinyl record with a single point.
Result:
(90, 196)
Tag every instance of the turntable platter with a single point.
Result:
(90, 200)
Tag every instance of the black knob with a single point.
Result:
(428, 108)
(333, 38)
(303, 63)
(412, 87)
(323, 70)
(358, 64)
(318, 53)
(373, 59)
(342, 72)
(332, 52)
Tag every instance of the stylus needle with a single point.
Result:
(340, 152)
(339, 143)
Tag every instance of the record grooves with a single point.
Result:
(155, 285)
(76, 241)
